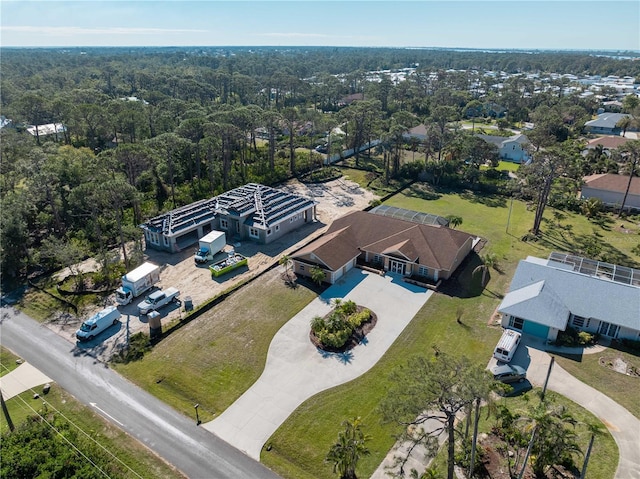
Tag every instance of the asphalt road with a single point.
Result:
(174, 437)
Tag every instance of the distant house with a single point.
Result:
(417, 132)
(607, 142)
(512, 148)
(416, 246)
(605, 124)
(610, 189)
(494, 110)
(548, 295)
(349, 99)
(253, 212)
(50, 129)
(4, 121)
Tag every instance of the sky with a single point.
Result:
(502, 24)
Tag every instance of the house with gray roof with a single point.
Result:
(251, 212)
(605, 124)
(548, 295)
(510, 148)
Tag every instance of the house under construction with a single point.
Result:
(253, 211)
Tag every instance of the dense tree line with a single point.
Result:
(148, 129)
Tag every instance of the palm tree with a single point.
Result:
(552, 438)
(317, 274)
(454, 221)
(595, 430)
(631, 150)
(348, 449)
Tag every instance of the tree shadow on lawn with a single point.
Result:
(463, 283)
(492, 201)
(423, 191)
(593, 246)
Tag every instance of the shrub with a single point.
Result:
(357, 319)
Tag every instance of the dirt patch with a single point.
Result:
(619, 365)
(496, 466)
(335, 199)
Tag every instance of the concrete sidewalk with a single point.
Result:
(295, 370)
(21, 379)
(623, 426)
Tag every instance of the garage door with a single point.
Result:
(535, 329)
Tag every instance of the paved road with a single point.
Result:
(174, 437)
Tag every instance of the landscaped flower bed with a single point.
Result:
(343, 328)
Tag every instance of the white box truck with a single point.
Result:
(98, 323)
(136, 282)
(210, 245)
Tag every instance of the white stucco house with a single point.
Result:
(548, 295)
(610, 189)
(510, 148)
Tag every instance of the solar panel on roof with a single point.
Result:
(591, 267)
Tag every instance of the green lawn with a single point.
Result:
(7, 361)
(215, 358)
(125, 448)
(623, 389)
(298, 448)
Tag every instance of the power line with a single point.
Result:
(48, 404)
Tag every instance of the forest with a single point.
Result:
(144, 130)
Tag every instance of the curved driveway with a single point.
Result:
(295, 370)
(623, 426)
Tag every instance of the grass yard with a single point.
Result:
(298, 448)
(216, 357)
(623, 389)
(7, 361)
(138, 460)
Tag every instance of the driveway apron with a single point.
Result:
(295, 370)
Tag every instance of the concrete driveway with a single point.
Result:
(295, 370)
(623, 426)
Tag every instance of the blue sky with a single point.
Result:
(567, 24)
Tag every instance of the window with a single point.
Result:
(516, 323)
(277, 227)
(578, 321)
(377, 258)
(301, 267)
(269, 232)
(254, 233)
(423, 271)
(224, 224)
(166, 240)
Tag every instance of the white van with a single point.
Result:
(98, 323)
(506, 347)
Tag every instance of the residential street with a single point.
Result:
(176, 438)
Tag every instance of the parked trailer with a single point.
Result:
(210, 245)
(231, 262)
(137, 281)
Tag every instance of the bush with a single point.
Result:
(571, 337)
(632, 345)
(335, 329)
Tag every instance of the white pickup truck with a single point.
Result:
(158, 299)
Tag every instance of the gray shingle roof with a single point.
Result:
(545, 291)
